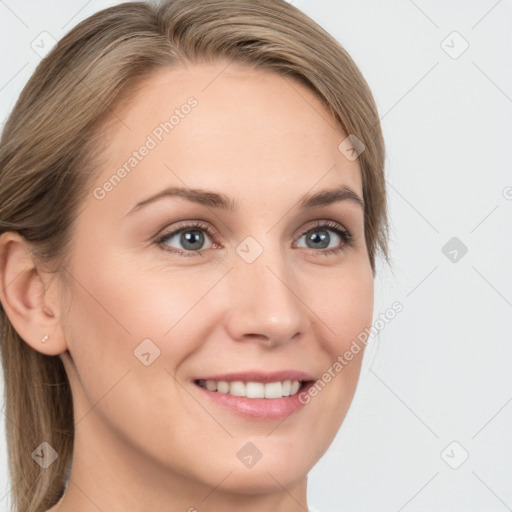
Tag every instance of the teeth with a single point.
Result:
(273, 390)
(237, 388)
(222, 387)
(211, 385)
(253, 389)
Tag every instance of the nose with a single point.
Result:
(263, 304)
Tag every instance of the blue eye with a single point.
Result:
(189, 240)
(318, 237)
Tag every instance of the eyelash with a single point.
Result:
(344, 234)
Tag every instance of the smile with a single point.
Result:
(271, 390)
(256, 394)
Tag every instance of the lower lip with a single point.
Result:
(258, 408)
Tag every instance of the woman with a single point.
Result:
(192, 201)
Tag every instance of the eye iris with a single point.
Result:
(192, 239)
(321, 236)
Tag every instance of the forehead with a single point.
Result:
(223, 125)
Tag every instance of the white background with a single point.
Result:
(438, 372)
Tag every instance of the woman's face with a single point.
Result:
(255, 288)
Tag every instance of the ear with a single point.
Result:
(29, 297)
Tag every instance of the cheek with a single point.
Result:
(343, 306)
(124, 314)
(342, 300)
(136, 299)
(118, 321)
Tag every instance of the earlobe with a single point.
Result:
(26, 298)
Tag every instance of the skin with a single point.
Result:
(146, 437)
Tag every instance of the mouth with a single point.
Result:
(257, 395)
(254, 389)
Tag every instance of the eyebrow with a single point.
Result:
(221, 201)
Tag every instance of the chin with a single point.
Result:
(277, 468)
(263, 481)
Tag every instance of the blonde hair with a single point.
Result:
(49, 152)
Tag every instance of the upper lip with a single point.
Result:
(259, 376)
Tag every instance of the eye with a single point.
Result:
(326, 237)
(320, 237)
(186, 239)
